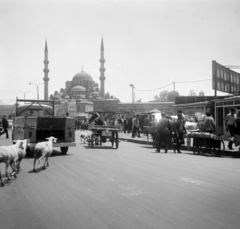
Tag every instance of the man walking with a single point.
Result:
(5, 126)
(164, 129)
(179, 131)
(230, 125)
(209, 124)
(136, 127)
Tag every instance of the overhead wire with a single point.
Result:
(174, 82)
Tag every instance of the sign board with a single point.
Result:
(224, 79)
(62, 108)
(71, 108)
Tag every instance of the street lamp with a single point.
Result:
(131, 85)
(24, 92)
(37, 88)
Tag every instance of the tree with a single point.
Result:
(163, 96)
(167, 96)
(192, 93)
(171, 95)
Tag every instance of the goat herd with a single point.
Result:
(13, 154)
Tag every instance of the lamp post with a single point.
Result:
(37, 88)
(24, 92)
(131, 85)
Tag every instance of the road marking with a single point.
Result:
(131, 191)
(192, 181)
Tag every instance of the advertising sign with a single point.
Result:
(71, 108)
(224, 79)
(62, 108)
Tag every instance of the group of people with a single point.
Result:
(167, 129)
(233, 124)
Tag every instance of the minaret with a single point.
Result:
(102, 70)
(46, 71)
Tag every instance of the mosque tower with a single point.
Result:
(46, 71)
(102, 70)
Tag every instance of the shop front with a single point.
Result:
(222, 108)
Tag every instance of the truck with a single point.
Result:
(35, 120)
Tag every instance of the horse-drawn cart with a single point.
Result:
(207, 143)
(102, 134)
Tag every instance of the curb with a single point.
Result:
(185, 148)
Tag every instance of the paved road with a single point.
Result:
(132, 187)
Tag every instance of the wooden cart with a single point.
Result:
(207, 143)
(102, 134)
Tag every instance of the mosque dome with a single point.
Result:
(99, 98)
(57, 97)
(66, 97)
(78, 88)
(95, 93)
(82, 76)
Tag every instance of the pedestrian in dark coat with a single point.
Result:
(179, 131)
(130, 124)
(164, 129)
(5, 126)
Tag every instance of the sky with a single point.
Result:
(147, 43)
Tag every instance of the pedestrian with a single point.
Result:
(237, 130)
(130, 121)
(146, 121)
(164, 129)
(136, 127)
(209, 124)
(179, 130)
(230, 125)
(5, 126)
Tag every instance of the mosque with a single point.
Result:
(82, 85)
(83, 88)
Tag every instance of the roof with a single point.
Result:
(82, 76)
(78, 88)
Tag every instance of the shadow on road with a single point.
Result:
(100, 147)
(55, 153)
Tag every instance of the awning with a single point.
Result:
(154, 111)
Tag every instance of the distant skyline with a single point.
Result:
(147, 43)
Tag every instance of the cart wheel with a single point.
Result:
(196, 146)
(92, 140)
(64, 150)
(219, 152)
(112, 139)
(116, 140)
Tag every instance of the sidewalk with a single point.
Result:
(143, 140)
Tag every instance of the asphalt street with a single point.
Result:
(130, 187)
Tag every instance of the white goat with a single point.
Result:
(22, 153)
(9, 156)
(43, 150)
(84, 137)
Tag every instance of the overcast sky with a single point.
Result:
(148, 43)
